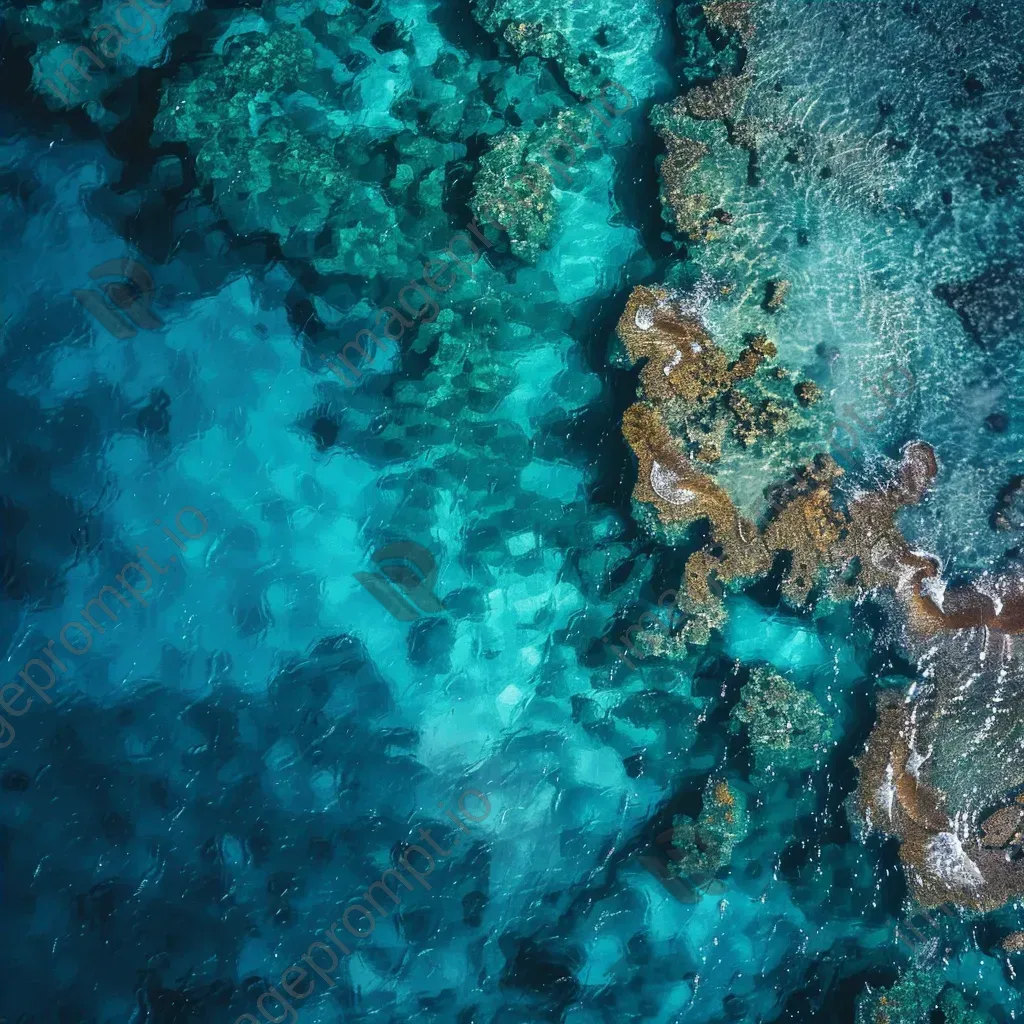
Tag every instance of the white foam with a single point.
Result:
(644, 318)
(886, 793)
(666, 485)
(945, 858)
(934, 588)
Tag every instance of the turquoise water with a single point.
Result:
(205, 791)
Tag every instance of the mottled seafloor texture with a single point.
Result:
(716, 445)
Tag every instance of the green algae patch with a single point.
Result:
(788, 729)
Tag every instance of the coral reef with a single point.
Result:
(844, 553)
(703, 847)
(787, 728)
(909, 1001)
(717, 101)
(514, 185)
(593, 42)
(807, 392)
(692, 212)
(319, 182)
(683, 363)
(914, 999)
(540, 33)
(850, 554)
(731, 16)
(775, 295)
(956, 1009)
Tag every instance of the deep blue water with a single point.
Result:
(280, 618)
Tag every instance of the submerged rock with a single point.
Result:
(1008, 513)
(704, 847)
(786, 726)
(775, 295)
(990, 306)
(517, 176)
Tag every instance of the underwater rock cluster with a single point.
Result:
(957, 823)
(786, 726)
(704, 847)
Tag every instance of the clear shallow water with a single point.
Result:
(227, 769)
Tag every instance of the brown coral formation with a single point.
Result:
(692, 211)
(1014, 942)
(717, 101)
(807, 393)
(1004, 827)
(724, 798)
(755, 420)
(849, 553)
(758, 349)
(684, 364)
(683, 494)
(946, 860)
(856, 552)
(775, 295)
(731, 16)
(682, 359)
